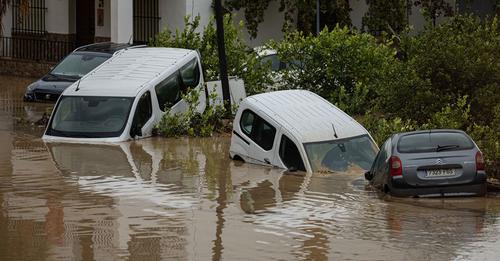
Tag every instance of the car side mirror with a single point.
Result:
(368, 175)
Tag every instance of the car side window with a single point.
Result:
(290, 155)
(378, 159)
(190, 74)
(168, 92)
(383, 155)
(260, 131)
(143, 112)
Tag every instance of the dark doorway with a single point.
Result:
(85, 22)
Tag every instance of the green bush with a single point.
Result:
(344, 67)
(241, 59)
(456, 58)
(191, 122)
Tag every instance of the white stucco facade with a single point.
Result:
(7, 22)
(121, 21)
(57, 16)
(103, 30)
(114, 19)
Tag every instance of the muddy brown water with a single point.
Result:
(183, 199)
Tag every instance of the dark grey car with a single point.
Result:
(78, 63)
(429, 163)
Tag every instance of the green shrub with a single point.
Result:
(344, 67)
(456, 58)
(241, 59)
(191, 122)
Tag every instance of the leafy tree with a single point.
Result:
(432, 9)
(385, 16)
(345, 68)
(333, 12)
(242, 61)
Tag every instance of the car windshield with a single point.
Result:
(434, 142)
(78, 64)
(341, 155)
(90, 117)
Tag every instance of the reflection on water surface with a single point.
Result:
(158, 199)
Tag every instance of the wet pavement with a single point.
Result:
(183, 199)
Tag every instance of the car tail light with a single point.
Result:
(479, 161)
(396, 167)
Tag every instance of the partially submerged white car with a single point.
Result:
(299, 130)
(126, 96)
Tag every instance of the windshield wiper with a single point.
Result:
(65, 77)
(446, 147)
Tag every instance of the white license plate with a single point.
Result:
(440, 172)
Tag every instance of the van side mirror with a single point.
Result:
(368, 175)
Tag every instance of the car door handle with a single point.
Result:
(267, 161)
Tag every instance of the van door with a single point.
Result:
(261, 135)
(142, 123)
(289, 154)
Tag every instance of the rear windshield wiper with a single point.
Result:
(446, 147)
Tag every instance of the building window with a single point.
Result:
(28, 16)
(146, 20)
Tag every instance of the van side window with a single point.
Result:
(290, 155)
(246, 123)
(168, 92)
(190, 74)
(260, 131)
(143, 113)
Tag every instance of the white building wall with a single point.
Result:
(271, 28)
(202, 8)
(57, 16)
(172, 14)
(7, 22)
(105, 30)
(121, 21)
(358, 9)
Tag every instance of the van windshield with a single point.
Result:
(90, 117)
(340, 155)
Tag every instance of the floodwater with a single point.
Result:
(183, 199)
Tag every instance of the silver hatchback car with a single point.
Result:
(429, 163)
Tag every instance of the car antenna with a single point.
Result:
(78, 86)
(334, 132)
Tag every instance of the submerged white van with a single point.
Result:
(126, 96)
(299, 130)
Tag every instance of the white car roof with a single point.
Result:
(127, 72)
(306, 115)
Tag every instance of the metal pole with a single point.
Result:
(317, 17)
(219, 19)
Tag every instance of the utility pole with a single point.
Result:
(219, 19)
(317, 17)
